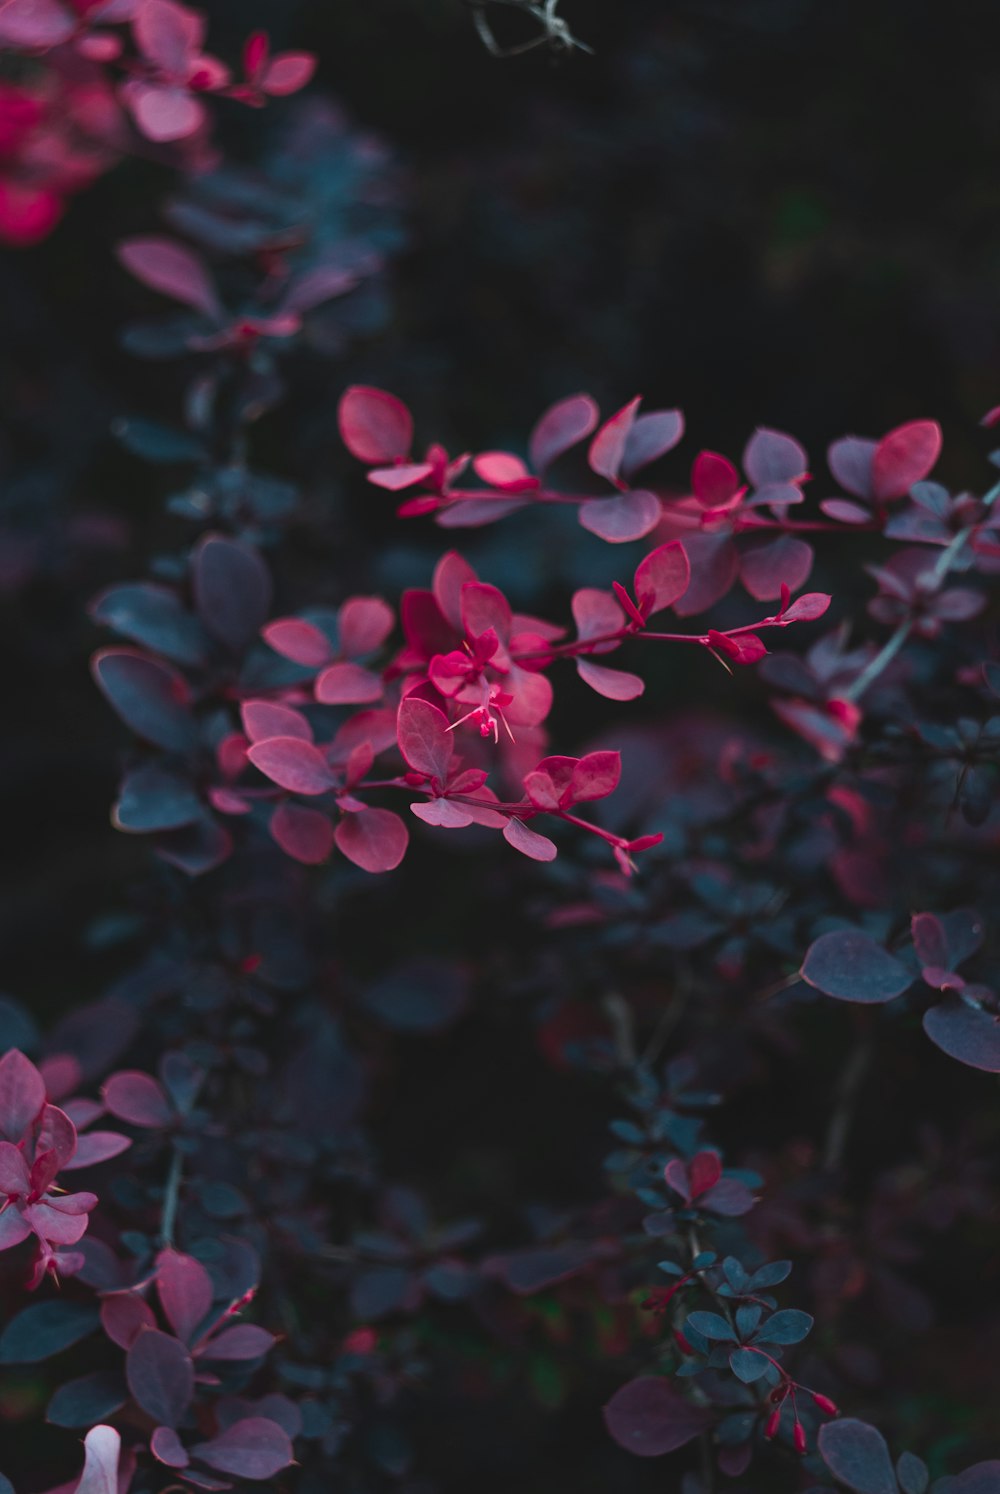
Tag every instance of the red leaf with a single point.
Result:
(375, 839)
(173, 271)
(904, 457)
(293, 764)
(374, 426)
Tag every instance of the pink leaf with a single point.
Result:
(287, 73)
(347, 683)
(596, 613)
(375, 839)
(561, 427)
(662, 578)
(34, 24)
(451, 574)
(364, 624)
(517, 834)
(168, 34)
(304, 834)
(185, 1291)
(163, 112)
(22, 1094)
(904, 457)
(424, 738)
(95, 1147)
(443, 813)
(607, 450)
(785, 561)
(137, 1098)
(501, 469)
(613, 684)
(375, 426)
(264, 718)
(403, 476)
(14, 1176)
(300, 641)
(293, 764)
(484, 607)
(714, 567)
(254, 1448)
(617, 520)
(172, 270)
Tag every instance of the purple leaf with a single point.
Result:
(651, 436)
(293, 764)
(22, 1094)
(772, 458)
(785, 561)
(173, 271)
(966, 1033)
(649, 1418)
(626, 517)
(715, 563)
(375, 426)
(185, 1291)
(34, 24)
(607, 450)
(981, 1478)
(160, 1376)
(96, 1146)
(561, 427)
(347, 683)
(304, 834)
(849, 965)
(244, 1341)
(263, 719)
(856, 1454)
(850, 460)
(424, 738)
(254, 1448)
(167, 1447)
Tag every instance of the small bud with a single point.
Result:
(778, 1394)
(825, 1404)
(773, 1422)
(799, 1437)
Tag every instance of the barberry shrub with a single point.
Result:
(691, 909)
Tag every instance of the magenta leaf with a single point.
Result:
(662, 577)
(185, 1291)
(714, 479)
(293, 764)
(232, 590)
(288, 72)
(364, 624)
(443, 813)
(808, 607)
(613, 684)
(595, 776)
(424, 738)
(538, 847)
(965, 1032)
(375, 839)
(22, 1094)
(375, 426)
(857, 1455)
(304, 834)
(618, 520)
(151, 698)
(904, 457)
(137, 1098)
(160, 1376)
(35, 24)
(172, 270)
(299, 641)
(649, 1418)
(850, 965)
(264, 718)
(254, 1448)
(561, 427)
